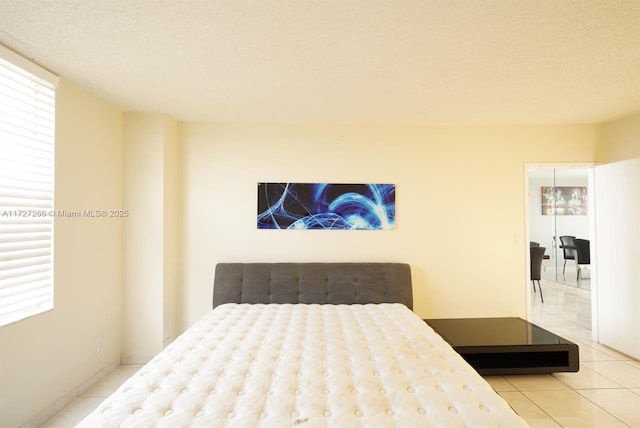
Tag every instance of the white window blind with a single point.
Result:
(27, 141)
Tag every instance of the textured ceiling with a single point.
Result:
(342, 61)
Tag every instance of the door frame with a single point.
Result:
(590, 166)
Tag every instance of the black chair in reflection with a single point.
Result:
(568, 249)
(536, 255)
(582, 253)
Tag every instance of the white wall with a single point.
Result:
(459, 194)
(617, 254)
(616, 226)
(45, 357)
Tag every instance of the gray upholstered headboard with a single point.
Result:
(332, 283)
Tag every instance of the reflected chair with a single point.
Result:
(534, 244)
(568, 249)
(583, 253)
(537, 255)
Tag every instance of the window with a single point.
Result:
(27, 141)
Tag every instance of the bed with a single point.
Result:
(307, 345)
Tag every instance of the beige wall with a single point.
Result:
(44, 357)
(460, 204)
(620, 139)
(171, 230)
(149, 235)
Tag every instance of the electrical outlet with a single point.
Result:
(99, 350)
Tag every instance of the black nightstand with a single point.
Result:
(495, 346)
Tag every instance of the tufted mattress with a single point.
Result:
(297, 365)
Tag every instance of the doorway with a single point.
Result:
(560, 211)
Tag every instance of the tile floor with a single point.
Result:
(604, 393)
(74, 412)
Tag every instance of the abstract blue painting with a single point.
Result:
(326, 206)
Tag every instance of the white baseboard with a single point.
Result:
(46, 414)
(135, 361)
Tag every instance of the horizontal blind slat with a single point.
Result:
(15, 203)
(23, 222)
(25, 303)
(16, 258)
(24, 243)
(35, 302)
(25, 273)
(21, 193)
(17, 227)
(14, 289)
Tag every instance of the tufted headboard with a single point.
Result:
(332, 283)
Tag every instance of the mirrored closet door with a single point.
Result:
(559, 221)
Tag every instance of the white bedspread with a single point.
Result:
(306, 366)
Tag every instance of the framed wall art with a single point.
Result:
(326, 206)
(565, 200)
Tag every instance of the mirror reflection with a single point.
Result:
(559, 222)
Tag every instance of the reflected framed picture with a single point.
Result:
(326, 206)
(565, 200)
